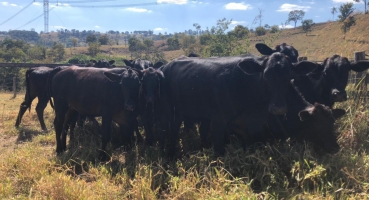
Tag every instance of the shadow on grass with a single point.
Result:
(26, 134)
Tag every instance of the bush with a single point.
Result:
(259, 31)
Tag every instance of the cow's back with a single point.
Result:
(87, 90)
(203, 88)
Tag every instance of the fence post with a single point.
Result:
(14, 87)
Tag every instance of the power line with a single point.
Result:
(113, 6)
(90, 1)
(17, 13)
(33, 19)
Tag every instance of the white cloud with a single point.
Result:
(180, 2)
(286, 7)
(139, 10)
(317, 16)
(237, 6)
(346, 1)
(4, 3)
(286, 26)
(37, 3)
(157, 30)
(59, 27)
(237, 22)
(97, 26)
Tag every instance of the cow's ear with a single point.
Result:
(360, 66)
(158, 65)
(337, 113)
(264, 49)
(113, 77)
(111, 62)
(304, 115)
(250, 66)
(304, 67)
(161, 74)
(128, 63)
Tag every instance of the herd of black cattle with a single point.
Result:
(259, 99)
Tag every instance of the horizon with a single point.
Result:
(160, 16)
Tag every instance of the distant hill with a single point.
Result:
(325, 39)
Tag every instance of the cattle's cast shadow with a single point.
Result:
(27, 134)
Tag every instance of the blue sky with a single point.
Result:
(159, 15)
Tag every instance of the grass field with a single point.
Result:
(30, 168)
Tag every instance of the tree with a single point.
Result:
(135, 45)
(295, 15)
(307, 24)
(57, 52)
(346, 10)
(333, 11)
(198, 28)
(239, 32)
(260, 31)
(104, 40)
(346, 25)
(91, 38)
(364, 4)
(274, 29)
(173, 43)
(93, 48)
(74, 42)
(148, 43)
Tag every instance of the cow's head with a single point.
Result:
(101, 64)
(318, 126)
(288, 50)
(151, 82)
(277, 73)
(130, 84)
(336, 71)
(138, 64)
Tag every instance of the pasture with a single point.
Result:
(30, 168)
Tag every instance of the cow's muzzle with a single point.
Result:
(339, 96)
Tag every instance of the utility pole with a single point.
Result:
(46, 16)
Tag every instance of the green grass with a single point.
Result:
(30, 168)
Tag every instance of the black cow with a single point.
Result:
(303, 122)
(288, 50)
(218, 90)
(94, 92)
(101, 64)
(150, 97)
(36, 86)
(326, 84)
(138, 64)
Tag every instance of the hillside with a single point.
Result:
(324, 40)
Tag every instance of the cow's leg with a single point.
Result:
(106, 128)
(204, 132)
(23, 108)
(139, 137)
(41, 105)
(147, 119)
(173, 138)
(69, 122)
(218, 130)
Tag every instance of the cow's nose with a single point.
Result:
(339, 96)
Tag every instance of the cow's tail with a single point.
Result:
(28, 90)
(49, 84)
